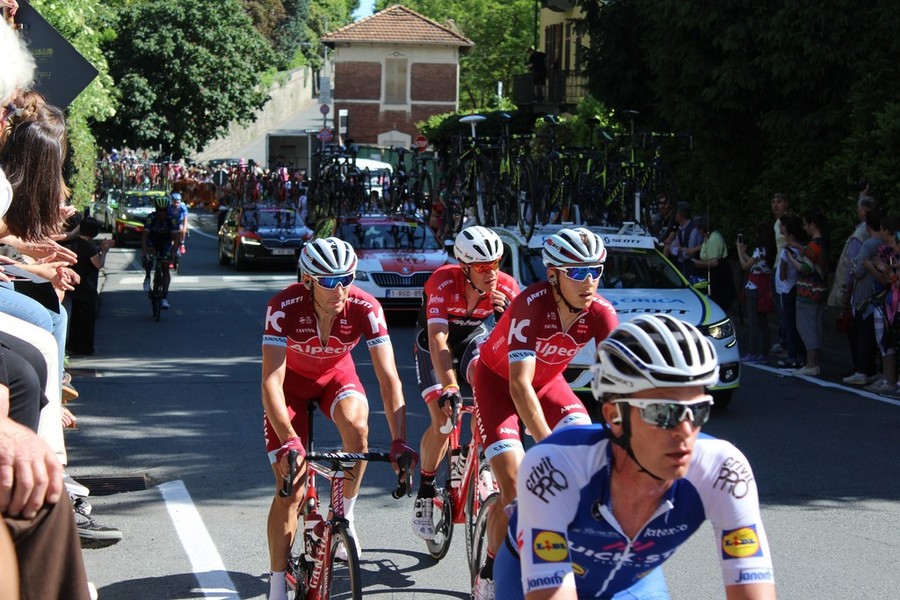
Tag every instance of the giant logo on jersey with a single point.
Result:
(558, 348)
(742, 542)
(549, 546)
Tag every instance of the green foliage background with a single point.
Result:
(795, 97)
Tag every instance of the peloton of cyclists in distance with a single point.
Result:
(519, 372)
(162, 235)
(600, 508)
(462, 303)
(310, 329)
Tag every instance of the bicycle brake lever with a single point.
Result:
(288, 484)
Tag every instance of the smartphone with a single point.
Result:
(740, 238)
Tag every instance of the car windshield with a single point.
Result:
(389, 236)
(624, 268)
(281, 219)
(132, 201)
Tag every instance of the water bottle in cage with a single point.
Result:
(314, 527)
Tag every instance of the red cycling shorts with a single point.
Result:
(498, 422)
(332, 387)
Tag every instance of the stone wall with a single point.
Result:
(287, 98)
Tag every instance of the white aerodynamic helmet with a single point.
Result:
(652, 351)
(477, 244)
(328, 257)
(573, 247)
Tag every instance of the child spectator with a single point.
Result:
(786, 289)
(759, 299)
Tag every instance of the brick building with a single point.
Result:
(392, 70)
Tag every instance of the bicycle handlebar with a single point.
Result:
(404, 478)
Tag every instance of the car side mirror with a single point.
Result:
(700, 284)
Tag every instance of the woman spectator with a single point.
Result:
(812, 292)
(759, 298)
(713, 262)
(91, 258)
(786, 289)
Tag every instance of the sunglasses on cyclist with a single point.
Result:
(485, 267)
(667, 414)
(329, 283)
(582, 273)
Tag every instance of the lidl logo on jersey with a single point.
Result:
(741, 543)
(549, 546)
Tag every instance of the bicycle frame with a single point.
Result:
(313, 581)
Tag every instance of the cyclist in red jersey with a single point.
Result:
(310, 329)
(462, 303)
(519, 373)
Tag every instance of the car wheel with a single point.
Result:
(721, 398)
(223, 258)
(240, 261)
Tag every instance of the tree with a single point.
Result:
(501, 32)
(184, 70)
(80, 22)
(785, 96)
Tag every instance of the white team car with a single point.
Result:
(637, 279)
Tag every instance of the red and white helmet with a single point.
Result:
(578, 247)
(328, 257)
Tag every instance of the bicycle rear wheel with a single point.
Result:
(342, 579)
(443, 512)
(479, 535)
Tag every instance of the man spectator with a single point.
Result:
(537, 62)
(842, 289)
(686, 240)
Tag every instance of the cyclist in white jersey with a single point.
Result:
(600, 508)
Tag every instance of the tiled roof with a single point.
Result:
(397, 25)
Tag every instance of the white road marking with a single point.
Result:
(205, 560)
(827, 384)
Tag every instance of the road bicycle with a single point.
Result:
(314, 571)
(469, 183)
(157, 289)
(465, 500)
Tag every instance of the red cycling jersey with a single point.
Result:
(445, 299)
(530, 329)
(291, 323)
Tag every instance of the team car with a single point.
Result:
(397, 254)
(261, 234)
(132, 209)
(637, 279)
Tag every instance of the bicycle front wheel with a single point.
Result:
(342, 579)
(443, 512)
(479, 535)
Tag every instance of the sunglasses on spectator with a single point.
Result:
(329, 283)
(667, 414)
(485, 267)
(582, 273)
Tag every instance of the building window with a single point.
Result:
(396, 71)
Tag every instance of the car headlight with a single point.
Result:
(249, 241)
(362, 276)
(719, 331)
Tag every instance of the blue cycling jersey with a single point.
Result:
(565, 534)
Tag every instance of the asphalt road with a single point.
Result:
(177, 404)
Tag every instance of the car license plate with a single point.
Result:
(405, 293)
(282, 251)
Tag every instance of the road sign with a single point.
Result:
(62, 73)
(324, 109)
(325, 135)
(422, 143)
